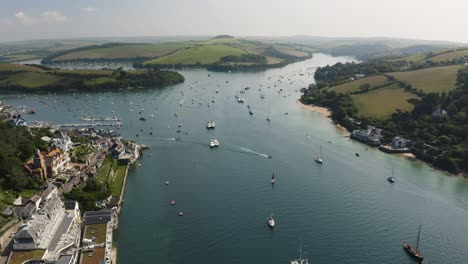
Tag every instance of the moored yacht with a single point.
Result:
(300, 260)
(240, 100)
(414, 251)
(273, 179)
(319, 159)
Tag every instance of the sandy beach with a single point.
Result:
(322, 110)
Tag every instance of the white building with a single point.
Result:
(399, 142)
(371, 135)
(54, 228)
(439, 113)
(61, 141)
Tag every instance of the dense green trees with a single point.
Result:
(17, 145)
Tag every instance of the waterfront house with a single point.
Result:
(371, 135)
(399, 143)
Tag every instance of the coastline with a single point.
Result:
(327, 113)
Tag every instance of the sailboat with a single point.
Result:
(319, 159)
(300, 260)
(273, 180)
(414, 251)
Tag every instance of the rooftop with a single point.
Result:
(98, 231)
(93, 257)
(96, 217)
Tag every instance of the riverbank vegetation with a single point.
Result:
(426, 103)
(33, 78)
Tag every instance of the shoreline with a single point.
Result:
(318, 109)
(327, 113)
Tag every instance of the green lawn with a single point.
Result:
(203, 55)
(381, 103)
(124, 51)
(118, 180)
(353, 86)
(102, 174)
(32, 79)
(436, 79)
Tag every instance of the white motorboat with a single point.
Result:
(271, 222)
(210, 125)
(273, 179)
(216, 143)
(240, 100)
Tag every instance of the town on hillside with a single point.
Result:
(82, 173)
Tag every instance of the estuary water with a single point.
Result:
(343, 211)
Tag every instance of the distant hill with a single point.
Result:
(365, 48)
(218, 53)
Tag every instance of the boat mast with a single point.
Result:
(419, 234)
(300, 249)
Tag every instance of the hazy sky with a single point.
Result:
(420, 19)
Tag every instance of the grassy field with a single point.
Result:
(124, 51)
(450, 56)
(116, 184)
(7, 67)
(203, 55)
(381, 103)
(436, 79)
(354, 86)
(32, 79)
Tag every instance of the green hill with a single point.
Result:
(119, 51)
(221, 52)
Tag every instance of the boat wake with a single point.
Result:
(246, 151)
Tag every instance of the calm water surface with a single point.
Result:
(344, 211)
